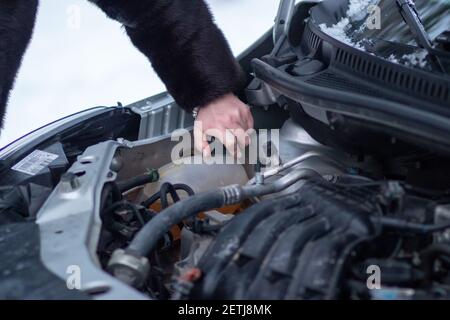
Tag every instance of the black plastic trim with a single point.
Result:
(418, 122)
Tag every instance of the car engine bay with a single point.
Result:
(306, 229)
(355, 203)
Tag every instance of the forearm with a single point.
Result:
(186, 48)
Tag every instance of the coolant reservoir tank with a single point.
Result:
(200, 177)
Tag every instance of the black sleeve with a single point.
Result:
(186, 48)
(16, 25)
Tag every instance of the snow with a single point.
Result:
(357, 10)
(339, 32)
(393, 58)
(74, 65)
(415, 59)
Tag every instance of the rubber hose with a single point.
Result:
(138, 181)
(148, 237)
(147, 203)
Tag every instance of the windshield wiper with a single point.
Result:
(411, 17)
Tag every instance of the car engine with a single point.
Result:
(353, 202)
(302, 230)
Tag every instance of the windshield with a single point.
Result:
(356, 28)
(435, 15)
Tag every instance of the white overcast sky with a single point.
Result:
(70, 67)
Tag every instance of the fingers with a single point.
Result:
(206, 150)
(245, 124)
(198, 136)
(233, 139)
(241, 137)
(246, 118)
(227, 119)
(228, 139)
(250, 121)
(200, 142)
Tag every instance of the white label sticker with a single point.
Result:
(35, 162)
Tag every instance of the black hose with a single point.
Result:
(167, 188)
(151, 176)
(148, 237)
(405, 226)
(112, 189)
(179, 186)
(162, 194)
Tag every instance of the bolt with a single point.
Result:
(69, 182)
(116, 164)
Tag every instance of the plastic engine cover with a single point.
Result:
(288, 248)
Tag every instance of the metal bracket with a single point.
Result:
(70, 225)
(283, 19)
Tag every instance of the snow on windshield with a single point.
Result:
(357, 9)
(354, 23)
(356, 12)
(339, 32)
(415, 59)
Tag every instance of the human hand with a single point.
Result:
(226, 119)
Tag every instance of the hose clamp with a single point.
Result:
(232, 194)
(129, 268)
